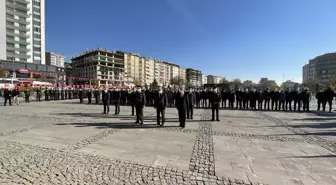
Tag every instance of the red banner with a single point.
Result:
(28, 86)
(22, 85)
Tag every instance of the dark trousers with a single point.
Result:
(267, 104)
(231, 103)
(260, 103)
(204, 102)
(274, 104)
(117, 107)
(282, 105)
(106, 107)
(182, 117)
(97, 99)
(215, 109)
(224, 103)
(80, 99)
(133, 106)
(245, 104)
(89, 99)
(162, 112)
(289, 103)
(298, 103)
(139, 113)
(190, 113)
(329, 103)
(9, 99)
(27, 99)
(238, 104)
(306, 105)
(38, 98)
(319, 103)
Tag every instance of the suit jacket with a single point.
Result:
(182, 101)
(161, 100)
(106, 97)
(140, 99)
(191, 100)
(215, 98)
(116, 95)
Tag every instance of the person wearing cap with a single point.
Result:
(215, 101)
(106, 101)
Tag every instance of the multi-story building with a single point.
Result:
(204, 79)
(183, 74)
(134, 69)
(54, 59)
(193, 77)
(149, 70)
(321, 68)
(107, 67)
(248, 83)
(22, 30)
(263, 80)
(214, 79)
(162, 72)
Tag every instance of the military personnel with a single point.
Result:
(96, 94)
(27, 95)
(106, 101)
(140, 101)
(191, 103)
(81, 95)
(89, 96)
(266, 95)
(116, 100)
(215, 101)
(306, 97)
(181, 105)
(319, 97)
(329, 96)
(160, 104)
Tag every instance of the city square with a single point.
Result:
(64, 142)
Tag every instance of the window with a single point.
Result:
(36, 9)
(36, 16)
(37, 3)
(37, 29)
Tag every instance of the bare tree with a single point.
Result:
(3, 72)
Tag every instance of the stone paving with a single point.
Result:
(69, 143)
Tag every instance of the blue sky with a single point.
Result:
(246, 39)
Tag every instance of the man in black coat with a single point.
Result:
(140, 101)
(96, 94)
(106, 101)
(267, 97)
(191, 103)
(328, 97)
(80, 94)
(8, 97)
(116, 100)
(306, 97)
(182, 105)
(38, 94)
(260, 98)
(275, 98)
(231, 97)
(160, 104)
(89, 95)
(238, 99)
(215, 101)
(319, 97)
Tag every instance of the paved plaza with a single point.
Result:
(65, 142)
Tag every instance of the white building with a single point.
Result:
(213, 79)
(22, 30)
(204, 79)
(54, 59)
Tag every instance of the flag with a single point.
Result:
(29, 86)
(6, 85)
(22, 85)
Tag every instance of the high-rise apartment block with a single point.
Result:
(321, 68)
(54, 59)
(214, 79)
(105, 66)
(22, 30)
(194, 77)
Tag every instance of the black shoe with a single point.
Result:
(212, 120)
(136, 122)
(217, 120)
(158, 123)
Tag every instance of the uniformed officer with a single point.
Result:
(215, 101)
(38, 94)
(139, 105)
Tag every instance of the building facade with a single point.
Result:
(107, 67)
(22, 30)
(54, 59)
(321, 68)
(193, 77)
(248, 83)
(214, 79)
(204, 79)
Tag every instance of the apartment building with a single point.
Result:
(214, 79)
(194, 77)
(54, 59)
(105, 66)
(321, 68)
(22, 30)
(204, 79)
(149, 70)
(182, 72)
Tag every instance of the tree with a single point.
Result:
(94, 81)
(289, 85)
(177, 81)
(3, 72)
(236, 83)
(313, 83)
(154, 84)
(224, 81)
(269, 84)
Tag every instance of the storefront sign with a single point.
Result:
(25, 71)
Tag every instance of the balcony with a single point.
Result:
(21, 28)
(17, 6)
(25, 36)
(16, 42)
(18, 49)
(23, 1)
(13, 12)
(12, 19)
(18, 55)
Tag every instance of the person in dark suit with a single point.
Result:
(140, 100)
(8, 97)
(27, 95)
(116, 100)
(80, 94)
(160, 104)
(328, 98)
(215, 101)
(106, 101)
(89, 95)
(191, 104)
(182, 105)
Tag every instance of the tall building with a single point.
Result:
(54, 59)
(204, 79)
(22, 30)
(162, 72)
(134, 69)
(183, 74)
(194, 77)
(248, 83)
(105, 66)
(213, 79)
(263, 80)
(321, 68)
(149, 70)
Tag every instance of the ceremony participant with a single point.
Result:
(260, 98)
(160, 104)
(62, 94)
(46, 95)
(191, 103)
(215, 100)
(89, 95)
(328, 98)
(140, 100)
(96, 95)
(231, 97)
(267, 97)
(274, 99)
(182, 105)
(282, 100)
(80, 94)
(319, 97)
(27, 95)
(8, 97)
(131, 98)
(306, 97)
(116, 96)
(106, 101)
(38, 94)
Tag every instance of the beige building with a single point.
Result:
(149, 70)
(213, 79)
(54, 59)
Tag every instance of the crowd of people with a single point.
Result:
(184, 100)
